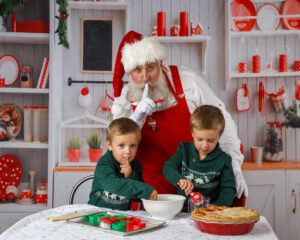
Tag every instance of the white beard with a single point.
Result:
(157, 90)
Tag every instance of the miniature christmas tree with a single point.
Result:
(291, 116)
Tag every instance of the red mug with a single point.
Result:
(2, 82)
(26, 193)
(41, 196)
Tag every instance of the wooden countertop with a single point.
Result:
(285, 164)
(247, 165)
(74, 169)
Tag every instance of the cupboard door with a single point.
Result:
(65, 181)
(267, 195)
(293, 203)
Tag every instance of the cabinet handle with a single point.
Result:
(295, 201)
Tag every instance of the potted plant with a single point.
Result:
(74, 150)
(94, 143)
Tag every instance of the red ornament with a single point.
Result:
(85, 91)
(2, 197)
(10, 196)
(63, 15)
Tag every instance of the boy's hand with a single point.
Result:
(153, 195)
(186, 185)
(126, 168)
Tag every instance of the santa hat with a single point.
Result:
(135, 50)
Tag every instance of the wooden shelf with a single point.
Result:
(25, 38)
(204, 39)
(22, 144)
(16, 207)
(257, 33)
(265, 74)
(24, 90)
(285, 164)
(98, 5)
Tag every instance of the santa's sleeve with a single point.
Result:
(197, 93)
(121, 107)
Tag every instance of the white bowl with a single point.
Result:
(165, 207)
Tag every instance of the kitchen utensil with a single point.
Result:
(243, 98)
(165, 207)
(9, 69)
(243, 9)
(267, 17)
(291, 7)
(148, 223)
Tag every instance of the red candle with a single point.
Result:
(184, 24)
(283, 63)
(256, 63)
(161, 24)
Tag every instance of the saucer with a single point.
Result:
(24, 201)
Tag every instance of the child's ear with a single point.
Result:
(109, 146)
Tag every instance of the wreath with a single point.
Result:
(62, 23)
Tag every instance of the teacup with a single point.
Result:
(26, 194)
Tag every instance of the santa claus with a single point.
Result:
(161, 99)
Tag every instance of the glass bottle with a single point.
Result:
(26, 77)
(273, 149)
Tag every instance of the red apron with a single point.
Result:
(157, 147)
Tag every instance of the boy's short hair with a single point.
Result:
(122, 126)
(207, 117)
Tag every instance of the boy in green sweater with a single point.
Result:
(118, 177)
(204, 167)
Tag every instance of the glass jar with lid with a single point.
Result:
(273, 148)
(26, 77)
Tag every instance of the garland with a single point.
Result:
(9, 6)
(62, 23)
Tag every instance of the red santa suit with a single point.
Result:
(189, 91)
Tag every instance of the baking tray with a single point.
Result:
(150, 223)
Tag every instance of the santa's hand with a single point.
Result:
(240, 184)
(144, 108)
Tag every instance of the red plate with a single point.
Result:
(10, 172)
(291, 7)
(243, 8)
(9, 69)
(237, 228)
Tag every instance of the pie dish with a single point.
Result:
(225, 221)
(224, 214)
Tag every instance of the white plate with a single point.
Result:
(267, 19)
(24, 201)
(9, 69)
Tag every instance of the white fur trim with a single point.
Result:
(116, 109)
(138, 53)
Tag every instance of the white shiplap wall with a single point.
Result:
(142, 16)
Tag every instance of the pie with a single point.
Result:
(224, 214)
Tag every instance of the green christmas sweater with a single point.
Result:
(111, 189)
(212, 176)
